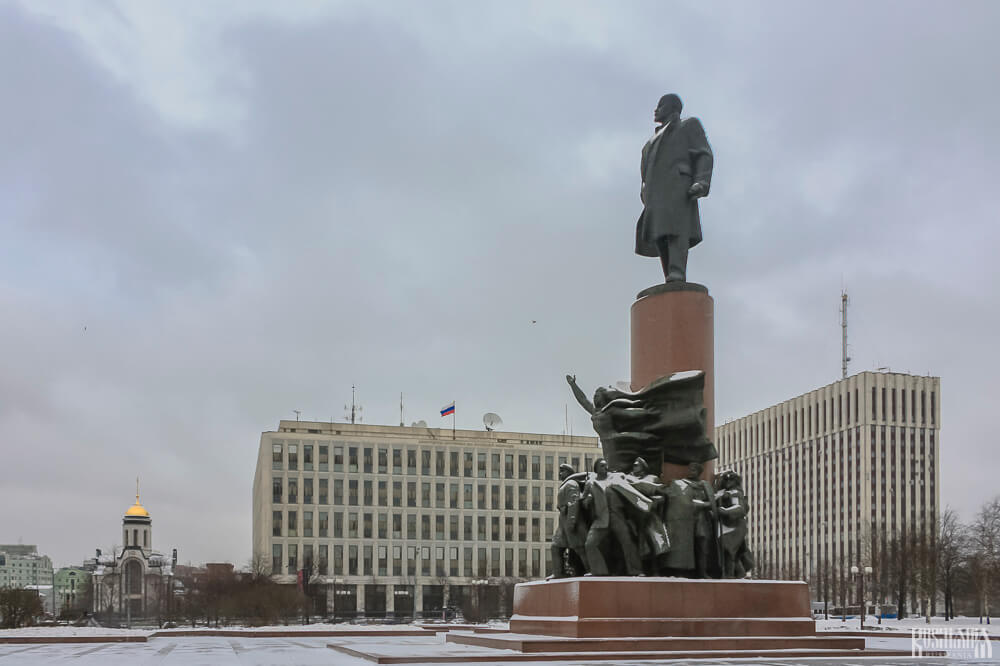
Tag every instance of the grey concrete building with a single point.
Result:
(402, 521)
(837, 474)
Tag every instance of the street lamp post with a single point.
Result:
(865, 571)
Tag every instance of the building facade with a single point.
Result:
(837, 476)
(403, 521)
(22, 566)
(72, 589)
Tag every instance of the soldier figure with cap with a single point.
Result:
(571, 530)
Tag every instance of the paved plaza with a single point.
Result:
(307, 651)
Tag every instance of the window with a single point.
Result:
(383, 526)
(369, 494)
(481, 496)
(536, 498)
(293, 456)
(397, 493)
(383, 461)
(481, 532)
(468, 496)
(276, 558)
(352, 560)
(411, 561)
(494, 561)
(467, 561)
(411, 526)
(522, 529)
(454, 463)
(338, 560)
(439, 528)
(439, 495)
(324, 491)
(323, 555)
(522, 498)
(397, 461)
(495, 528)
(352, 492)
(425, 561)
(307, 457)
(508, 497)
(453, 527)
(481, 465)
(411, 493)
(293, 523)
(276, 490)
(549, 467)
(536, 562)
(425, 463)
(307, 523)
(338, 525)
(338, 459)
(366, 560)
(338, 491)
(439, 463)
(425, 494)
(508, 465)
(494, 497)
(536, 467)
(307, 491)
(352, 525)
(453, 495)
(425, 527)
(293, 491)
(536, 530)
(411, 461)
(495, 465)
(522, 467)
(383, 494)
(397, 526)
(367, 460)
(324, 458)
(366, 526)
(508, 528)
(276, 456)
(352, 459)
(276, 523)
(467, 528)
(548, 498)
(481, 568)
(324, 524)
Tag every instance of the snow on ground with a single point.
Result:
(72, 631)
(905, 625)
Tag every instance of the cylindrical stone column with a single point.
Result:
(673, 330)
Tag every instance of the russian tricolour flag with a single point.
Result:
(448, 409)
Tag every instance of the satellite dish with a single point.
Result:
(419, 424)
(491, 421)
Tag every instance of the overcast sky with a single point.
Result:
(213, 214)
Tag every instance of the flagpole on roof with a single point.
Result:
(453, 410)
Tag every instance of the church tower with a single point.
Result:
(137, 530)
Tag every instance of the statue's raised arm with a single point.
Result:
(580, 396)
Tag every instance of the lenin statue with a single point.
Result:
(676, 171)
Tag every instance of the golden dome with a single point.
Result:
(137, 510)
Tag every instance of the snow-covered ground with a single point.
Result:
(905, 625)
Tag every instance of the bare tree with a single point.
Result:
(984, 533)
(951, 552)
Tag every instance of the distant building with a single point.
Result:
(398, 521)
(838, 473)
(72, 588)
(136, 581)
(22, 566)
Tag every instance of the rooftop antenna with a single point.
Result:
(401, 409)
(844, 358)
(298, 413)
(491, 421)
(354, 413)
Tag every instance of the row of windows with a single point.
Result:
(793, 424)
(384, 526)
(376, 460)
(459, 496)
(420, 560)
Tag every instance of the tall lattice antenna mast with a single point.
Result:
(844, 358)
(355, 410)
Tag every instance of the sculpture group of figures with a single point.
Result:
(633, 524)
(622, 519)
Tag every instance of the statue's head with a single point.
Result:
(565, 471)
(640, 467)
(668, 109)
(601, 468)
(694, 471)
(601, 397)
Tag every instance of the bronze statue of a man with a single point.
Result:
(676, 171)
(571, 530)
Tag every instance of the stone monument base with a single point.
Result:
(616, 607)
